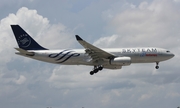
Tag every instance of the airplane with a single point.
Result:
(108, 58)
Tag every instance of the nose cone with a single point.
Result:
(167, 55)
(170, 55)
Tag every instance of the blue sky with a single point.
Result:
(104, 23)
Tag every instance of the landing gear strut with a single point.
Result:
(157, 67)
(96, 69)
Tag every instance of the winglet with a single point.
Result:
(78, 38)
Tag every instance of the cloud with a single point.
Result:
(109, 40)
(21, 80)
(13, 70)
(146, 25)
(38, 27)
(145, 96)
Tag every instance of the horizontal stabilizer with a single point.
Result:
(24, 52)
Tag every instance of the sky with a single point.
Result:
(105, 23)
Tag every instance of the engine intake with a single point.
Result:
(122, 61)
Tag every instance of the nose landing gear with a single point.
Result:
(96, 69)
(157, 67)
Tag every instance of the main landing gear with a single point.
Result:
(96, 69)
(157, 67)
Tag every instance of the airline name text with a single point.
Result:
(153, 50)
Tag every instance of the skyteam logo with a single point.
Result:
(24, 40)
(63, 56)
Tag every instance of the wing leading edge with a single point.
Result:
(95, 52)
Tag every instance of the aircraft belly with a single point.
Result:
(145, 59)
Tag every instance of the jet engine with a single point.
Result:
(122, 61)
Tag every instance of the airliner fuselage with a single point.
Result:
(80, 57)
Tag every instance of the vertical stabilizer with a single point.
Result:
(24, 40)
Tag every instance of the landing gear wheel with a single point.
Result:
(96, 69)
(92, 72)
(157, 67)
(100, 68)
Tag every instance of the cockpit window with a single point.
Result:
(167, 51)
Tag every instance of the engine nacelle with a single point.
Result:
(122, 61)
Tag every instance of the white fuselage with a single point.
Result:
(80, 57)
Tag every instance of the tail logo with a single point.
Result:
(24, 40)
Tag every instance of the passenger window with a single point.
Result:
(167, 51)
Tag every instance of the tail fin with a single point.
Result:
(24, 40)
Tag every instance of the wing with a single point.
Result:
(93, 51)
